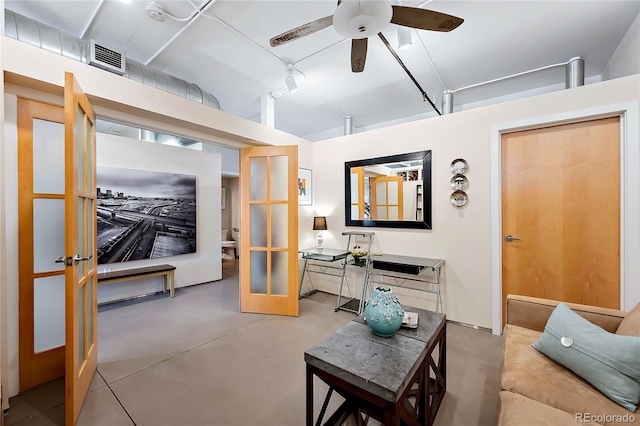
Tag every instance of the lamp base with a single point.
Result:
(319, 241)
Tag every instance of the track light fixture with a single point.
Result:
(290, 80)
(404, 37)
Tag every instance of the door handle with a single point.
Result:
(510, 238)
(79, 259)
(67, 260)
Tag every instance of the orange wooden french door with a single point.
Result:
(269, 224)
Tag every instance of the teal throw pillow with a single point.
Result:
(608, 361)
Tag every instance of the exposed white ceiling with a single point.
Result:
(227, 52)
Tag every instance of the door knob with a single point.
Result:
(510, 238)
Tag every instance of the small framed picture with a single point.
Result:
(304, 187)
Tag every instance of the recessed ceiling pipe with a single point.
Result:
(32, 32)
(348, 125)
(574, 73)
(447, 102)
(574, 76)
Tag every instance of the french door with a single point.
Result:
(269, 223)
(41, 239)
(57, 245)
(80, 259)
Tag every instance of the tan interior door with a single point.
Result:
(269, 224)
(80, 247)
(561, 207)
(41, 287)
(387, 198)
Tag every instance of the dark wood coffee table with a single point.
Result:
(395, 380)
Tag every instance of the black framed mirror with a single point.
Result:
(389, 192)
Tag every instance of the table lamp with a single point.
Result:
(319, 224)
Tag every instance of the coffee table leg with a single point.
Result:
(309, 396)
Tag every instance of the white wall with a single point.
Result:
(626, 59)
(195, 268)
(460, 236)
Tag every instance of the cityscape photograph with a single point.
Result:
(144, 214)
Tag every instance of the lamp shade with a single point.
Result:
(319, 223)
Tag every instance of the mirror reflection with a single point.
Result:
(389, 191)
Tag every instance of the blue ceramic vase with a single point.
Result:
(383, 312)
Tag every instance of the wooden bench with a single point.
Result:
(144, 272)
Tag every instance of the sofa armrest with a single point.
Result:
(533, 313)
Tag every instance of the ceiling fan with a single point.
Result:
(359, 19)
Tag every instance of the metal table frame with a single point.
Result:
(323, 255)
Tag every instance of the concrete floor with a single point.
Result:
(196, 360)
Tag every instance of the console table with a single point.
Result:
(377, 376)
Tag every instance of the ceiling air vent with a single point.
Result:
(107, 59)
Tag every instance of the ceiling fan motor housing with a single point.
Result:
(362, 18)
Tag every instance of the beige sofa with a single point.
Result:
(535, 390)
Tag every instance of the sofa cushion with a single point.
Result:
(630, 325)
(536, 376)
(608, 361)
(517, 410)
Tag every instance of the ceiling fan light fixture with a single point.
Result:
(362, 18)
(404, 37)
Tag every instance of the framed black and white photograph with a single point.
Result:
(223, 198)
(144, 214)
(304, 187)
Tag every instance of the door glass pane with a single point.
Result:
(89, 157)
(48, 234)
(381, 193)
(89, 312)
(80, 133)
(258, 178)
(48, 313)
(48, 157)
(393, 193)
(90, 232)
(393, 213)
(382, 213)
(279, 273)
(81, 228)
(259, 272)
(279, 178)
(258, 225)
(81, 314)
(354, 188)
(279, 225)
(354, 213)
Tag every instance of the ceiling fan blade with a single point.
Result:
(424, 19)
(358, 54)
(302, 31)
